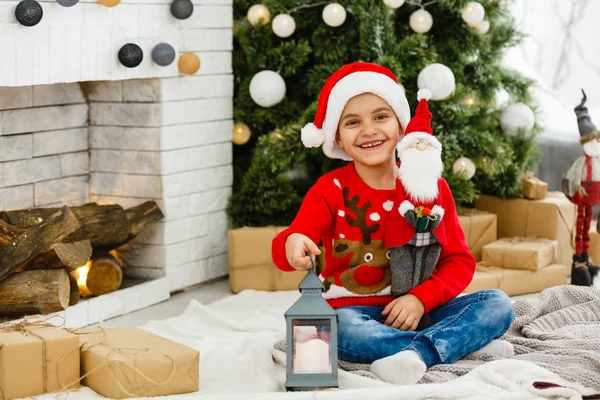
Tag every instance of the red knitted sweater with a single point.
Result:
(357, 225)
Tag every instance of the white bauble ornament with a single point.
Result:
(283, 25)
(241, 133)
(393, 3)
(473, 13)
(481, 27)
(258, 15)
(516, 117)
(439, 79)
(421, 21)
(464, 167)
(267, 88)
(334, 14)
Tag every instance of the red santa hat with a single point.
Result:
(419, 127)
(347, 82)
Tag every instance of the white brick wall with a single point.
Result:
(76, 126)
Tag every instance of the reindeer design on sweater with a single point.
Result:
(369, 268)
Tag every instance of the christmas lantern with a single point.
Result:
(131, 55)
(109, 3)
(258, 15)
(267, 88)
(163, 54)
(241, 133)
(311, 333)
(189, 63)
(283, 25)
(439, 79)
(517, 117)
(421, 21)
(29, 12)
(67, 3)
(182, 9)
(334, 14)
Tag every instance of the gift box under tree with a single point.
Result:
(521, 253)
(480, 228)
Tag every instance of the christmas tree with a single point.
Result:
(284, 50)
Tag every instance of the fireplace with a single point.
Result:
(78, 127)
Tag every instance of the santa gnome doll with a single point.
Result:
(424, 197)
(581, 184)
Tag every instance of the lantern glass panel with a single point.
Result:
(311, 352)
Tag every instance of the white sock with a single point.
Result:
(403, 368)
(498, 347)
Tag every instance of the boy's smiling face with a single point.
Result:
(368, 130)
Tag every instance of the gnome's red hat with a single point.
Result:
(347, 82)
(419, 127)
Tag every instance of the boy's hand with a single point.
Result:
(404, 313)
(296, 248)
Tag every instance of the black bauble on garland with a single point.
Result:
(67, 3)
(131, 55)
(182, 9)
(29, 12)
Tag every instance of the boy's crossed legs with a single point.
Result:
(461, 326)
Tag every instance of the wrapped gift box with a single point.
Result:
(480, 228)
(250, 262)
(594, 250)
(124, 363)
(521, 253)
(533, 188)
(551, 218)
(24, 365)
(515, 282)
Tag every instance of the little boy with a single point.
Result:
(363, 215)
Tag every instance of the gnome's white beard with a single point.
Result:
(419, 172)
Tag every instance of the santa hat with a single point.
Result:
(587, 129)
(419, 127)
(347, 82)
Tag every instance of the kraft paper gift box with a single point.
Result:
(515, 282)
(551, 218)
(594, 250)
(37, 360)
(521, 253)
(125, 363)
(480, 228)
(251, 265)
(533, 188)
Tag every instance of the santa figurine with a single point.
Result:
(581, 184)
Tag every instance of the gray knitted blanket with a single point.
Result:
(558, 330)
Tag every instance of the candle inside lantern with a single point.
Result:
(312, 357)
(82, 273)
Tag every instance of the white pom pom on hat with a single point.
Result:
(423, 94)
(312, 136)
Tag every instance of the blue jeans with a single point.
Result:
(461, 326)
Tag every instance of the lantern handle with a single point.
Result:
(312, 269)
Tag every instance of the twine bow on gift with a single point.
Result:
(25, 327)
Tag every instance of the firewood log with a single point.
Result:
(105, 275)
(35, 292)
(74, 293)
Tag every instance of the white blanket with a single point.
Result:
(235, 337)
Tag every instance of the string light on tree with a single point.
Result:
(481, 27)
(464, 167)
(258, 15)
(241, 133)
(334, 14)
(283, 25)
(469, 100)
(267, 88)
(393, 3)
(473, 13)
(421, 21)
(517, 117)
(439, 79)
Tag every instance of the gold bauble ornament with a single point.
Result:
(241, 133)
(189, 63)
(109, 3)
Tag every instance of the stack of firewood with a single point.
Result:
(41, 250)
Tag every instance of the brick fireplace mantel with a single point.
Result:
(77, 126)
